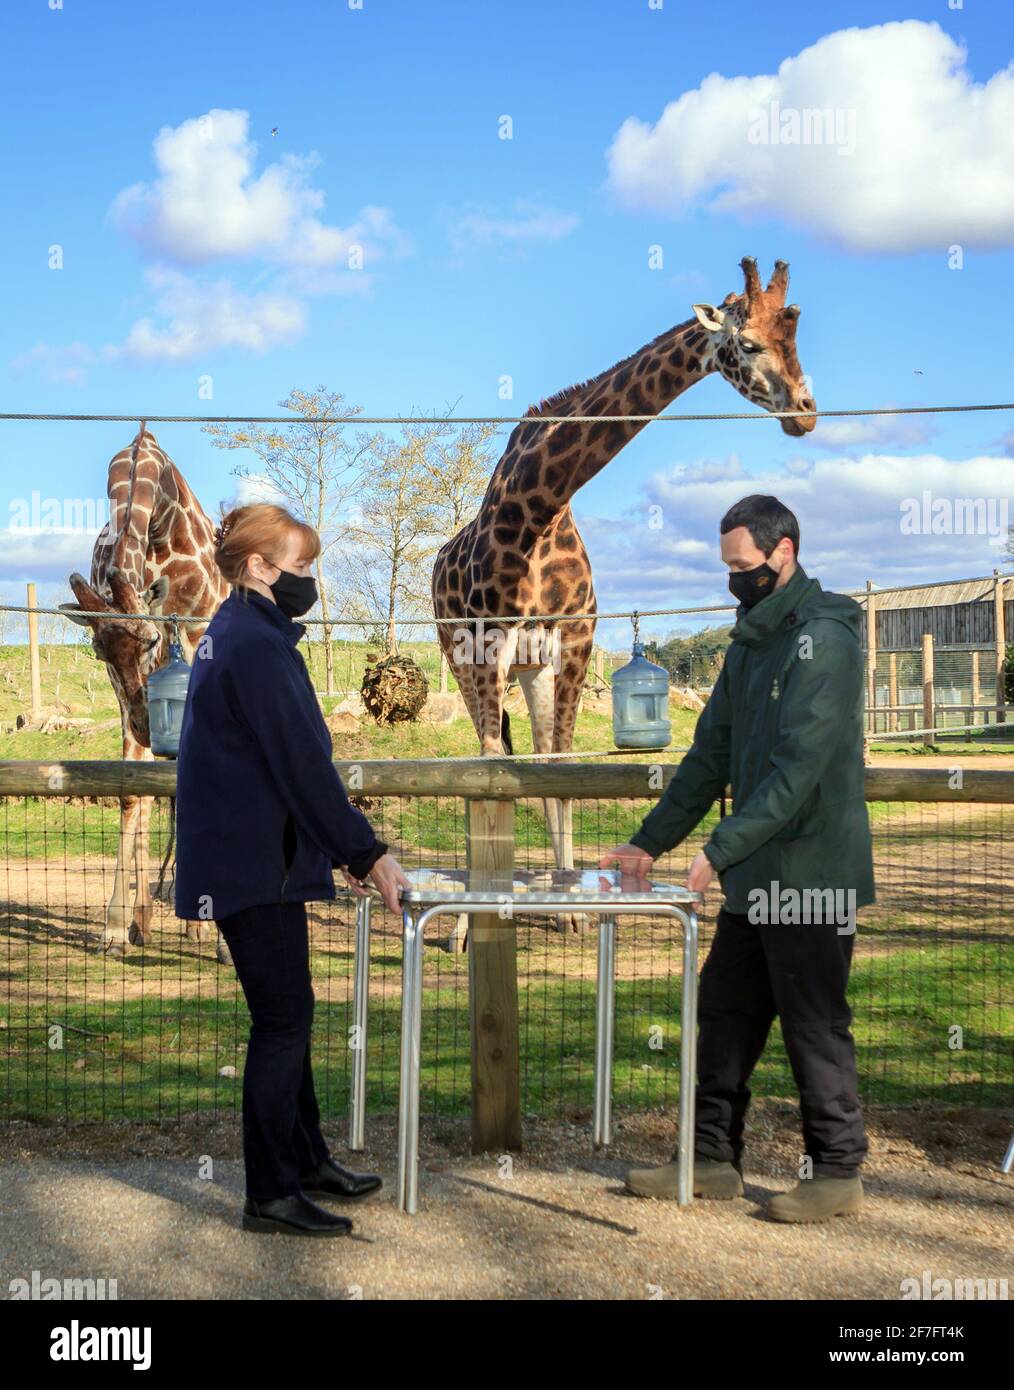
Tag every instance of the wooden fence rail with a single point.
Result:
(500, 779)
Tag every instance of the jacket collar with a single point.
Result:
(250, 600)
(779, 609)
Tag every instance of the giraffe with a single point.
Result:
(154, 555)
(522, 553)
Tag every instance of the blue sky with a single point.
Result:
(527, 257)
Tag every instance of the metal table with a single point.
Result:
(603, 893)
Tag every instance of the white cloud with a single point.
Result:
(194, 318)
(45, 555)
(208, 203)
(905, 431)
(257, 487)
(525, 224)
(850, 513)
(64, 365)
(914, 154)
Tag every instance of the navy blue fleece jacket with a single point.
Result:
(261, 813)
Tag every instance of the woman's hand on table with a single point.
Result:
(387, 876)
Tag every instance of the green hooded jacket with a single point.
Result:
(784, 728)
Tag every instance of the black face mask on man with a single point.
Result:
(750, 586)
(295, 594)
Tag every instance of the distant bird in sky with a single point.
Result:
(274, 130)
(917, 372)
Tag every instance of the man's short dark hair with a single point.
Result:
(767, 520)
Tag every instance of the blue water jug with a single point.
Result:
(641, 703)
(166, 694)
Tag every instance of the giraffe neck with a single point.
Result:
(544, 465)
(162, 529)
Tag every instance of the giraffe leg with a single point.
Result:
(140, 926)
(116, 933)
(575, 657)
(539, 686)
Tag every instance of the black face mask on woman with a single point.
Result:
(295, 594)
(750, 586)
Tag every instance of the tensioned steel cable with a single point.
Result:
(494, 621)
(539, 419)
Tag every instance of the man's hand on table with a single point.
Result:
(633, 863)
(701, 872)
(636, 863)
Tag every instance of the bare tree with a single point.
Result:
(460, 464)
(316, 464)
(397, 530)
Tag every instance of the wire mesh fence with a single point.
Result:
(963, 693)
(160, 1033)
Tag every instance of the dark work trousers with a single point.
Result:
(799, 972)
(281, 1121)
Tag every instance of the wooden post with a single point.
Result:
(1001, 646)
(33, 654)
(600, 658)
(892, 690)
(443, 672)
(493, 986)
(927, 687)
(871, 656)
(976, 691)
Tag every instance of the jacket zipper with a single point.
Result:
(281, 896)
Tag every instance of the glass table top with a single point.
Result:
(587, 887)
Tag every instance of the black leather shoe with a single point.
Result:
(335, 1181)
(293, 1216)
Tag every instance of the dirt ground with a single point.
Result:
(553, 1222)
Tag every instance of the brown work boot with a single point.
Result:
(719, 1181)
(817, 1199)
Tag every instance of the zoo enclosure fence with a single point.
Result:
(159, 1035)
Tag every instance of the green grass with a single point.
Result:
(162, 1060)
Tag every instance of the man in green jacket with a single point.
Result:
(784, 729)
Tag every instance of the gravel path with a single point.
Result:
(130, 1205)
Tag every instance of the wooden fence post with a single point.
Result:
(976, 689)
(927, 688)
(33, 654)
(892, 690)
(871, 657)
(493, 986)
(1000, 637)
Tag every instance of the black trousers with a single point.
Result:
(282, 1139)
(800, 973)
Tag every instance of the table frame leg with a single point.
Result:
(605, 1010)
(688, 1060)
(360, 1023)
(411, 1043)
(413, 929)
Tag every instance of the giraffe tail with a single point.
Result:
(505, 732)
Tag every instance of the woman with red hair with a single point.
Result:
(262, 821)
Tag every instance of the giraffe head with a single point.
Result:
(752, 337)
(131, 647)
